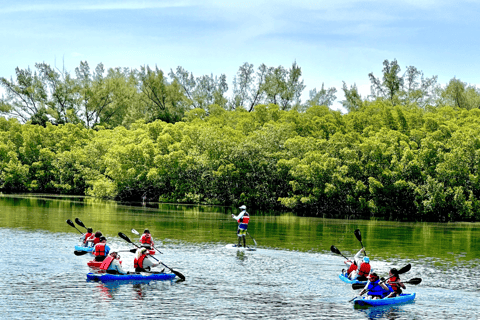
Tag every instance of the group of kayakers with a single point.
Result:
(376, 288)
(111, 260)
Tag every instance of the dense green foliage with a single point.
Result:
(409, 151)
(385, 162)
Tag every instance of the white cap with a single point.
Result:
(243, 207)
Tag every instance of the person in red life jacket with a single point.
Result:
(142, 262)
(146, 239)
(375, 288)
(352, 271)
(87, 236)
(94, 239)
(394, 283)
(243, 218)
(112, 264)
(101, 250)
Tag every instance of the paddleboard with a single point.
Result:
(234, 246)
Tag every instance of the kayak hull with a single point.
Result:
(106, 277)
(346, 280)
(82, 248)
(367, 303)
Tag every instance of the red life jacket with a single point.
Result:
(395, 286)
(138, 263)
(87, 235)
(352, 267)
(244, 219)
(364, 269)
(106, 263)
(146, 239)
(99, 249)
(96, 240)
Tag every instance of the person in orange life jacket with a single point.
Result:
(101, 250)
(352, 271)
(95, 238)
(87, 236)
(242, 219)
(394, 283)
(112, 265)
(142, 261)
(375, 288)
(146, 239)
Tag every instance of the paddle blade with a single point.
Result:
(357, 286)
(80, 223)
(178, 274)
(79, 253)
(405, 269)
(135, 232)
(358, 235)
(414, 281)
(124, 237)
(335, 250)
(70, 223)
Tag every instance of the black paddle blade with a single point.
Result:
(358, 235)
(178, 274)
(124, 237)
(414, 281)
(334, 249)
(79, 252)
(70, 223)
(356, 286)
(80, 223)
(405, 269)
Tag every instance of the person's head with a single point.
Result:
(393, 272)
(89, 230)
(115, 255)
(243, 207)
(366, 259)
(98, 234)
(373, 277)
(103, 239)
(146, 231)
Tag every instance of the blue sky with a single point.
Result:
(332, 41)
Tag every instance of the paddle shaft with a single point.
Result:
(252, 239)
(70, 223)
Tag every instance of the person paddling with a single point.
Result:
(101, 250)
(243, 218)
(375, 288)
(394, 283)
(112, 265)
(146, 239)
(142, 262)
(94, 239)
(352, 271)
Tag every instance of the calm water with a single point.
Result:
(292, 275)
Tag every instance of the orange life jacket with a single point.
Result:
(99, 249)
(138, 263)
(352, 267)
(244, 219)
(96, 240)
(364, 269)
(87, 235)
(146, 238)
(395, 286)
(106, 263)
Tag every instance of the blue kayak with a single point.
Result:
(129, 277)
(346, 280)
(365, 303)
(82, 248)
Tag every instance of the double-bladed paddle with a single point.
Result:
(413, 281)
(178, 274)
(70, 223)
(137, 233)
(76, 252)
(358, 235)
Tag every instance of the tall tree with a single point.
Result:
(324, 97)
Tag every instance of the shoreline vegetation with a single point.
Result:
(409, 152)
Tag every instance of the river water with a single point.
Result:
(292, 275)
